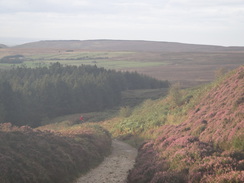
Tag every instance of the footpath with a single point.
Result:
(114, 168)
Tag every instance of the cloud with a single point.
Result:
(171, 20)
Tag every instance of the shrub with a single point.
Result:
(175, 94)
(219, 73)
(125, 111)
(34, 156)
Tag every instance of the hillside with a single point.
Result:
(3, 46)
(206, 147)
(192, 135)
(30, 95)
(126, 45)
(33, 156)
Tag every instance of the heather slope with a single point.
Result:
(206, 147)
(220, 113)
(34, 156)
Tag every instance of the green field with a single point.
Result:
(187, 68)
(108, 60)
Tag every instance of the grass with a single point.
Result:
(62, 122)
(135, 97)
(108, 60)
(108, 64)
(129, 98)
(77, 55)
(151, 114)
(6, 66)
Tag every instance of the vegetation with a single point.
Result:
(133, 98)
(141, 122)
(13, 59)
(34, 156)
(194, 135)
(3, 46)
(30, 95)
(106, 59)
(159, 60)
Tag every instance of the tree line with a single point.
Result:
(13, 59)
(29, 95)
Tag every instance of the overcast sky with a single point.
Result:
(214, 22)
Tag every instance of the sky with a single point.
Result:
(209, 22)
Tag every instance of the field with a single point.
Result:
(186, 67)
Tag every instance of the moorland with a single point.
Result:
(193, 135)
(191, 130)
(177, 62)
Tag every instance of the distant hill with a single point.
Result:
(127, 45)
(3, 46)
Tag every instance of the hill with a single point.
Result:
(127, 45)
(3, 46)
(207, 147)
(195, 135)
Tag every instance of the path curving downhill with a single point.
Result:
(114, 168)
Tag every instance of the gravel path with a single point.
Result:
(114, 168)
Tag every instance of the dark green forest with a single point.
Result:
(29, 95)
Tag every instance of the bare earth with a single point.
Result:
(114, 168)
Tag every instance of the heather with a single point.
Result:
(29, 155)
(140, 123)
(193, 135)
(207, 146)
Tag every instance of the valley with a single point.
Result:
(187, 130)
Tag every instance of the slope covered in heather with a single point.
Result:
(206, 147)
(33, 156)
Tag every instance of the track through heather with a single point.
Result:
(114, 168)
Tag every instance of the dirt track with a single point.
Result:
(115, 167)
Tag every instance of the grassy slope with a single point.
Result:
(29, 156)
(142, 122)
(197, 134)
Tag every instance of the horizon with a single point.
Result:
(205, 22)
(11, 42)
